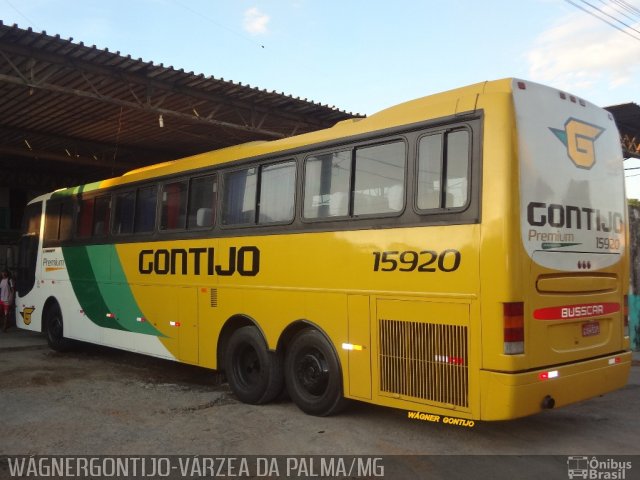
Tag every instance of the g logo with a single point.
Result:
(579, 138)
(26, 314)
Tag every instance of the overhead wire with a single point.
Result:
(617, 7)
(595, 15)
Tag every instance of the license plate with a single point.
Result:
(590, 329)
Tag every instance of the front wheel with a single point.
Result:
(312, 374)
(253, 372)
(54, 329)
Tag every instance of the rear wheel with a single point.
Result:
(312, 374)
(54, 329)
(253, 372)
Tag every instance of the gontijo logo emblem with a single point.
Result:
(579, 138)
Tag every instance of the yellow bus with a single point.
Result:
(460, 255)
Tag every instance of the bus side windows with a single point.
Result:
(202, 202)
(277, 192)
(84, 221)
(260, 195)
(173, 209)
(58, 225)
(326, 185)
(439, 156)
(145, 219)
(238, 207)
(135, 211)
(124, 209)
(379, 182)
(101, 216)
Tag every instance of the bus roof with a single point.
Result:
(432, 106)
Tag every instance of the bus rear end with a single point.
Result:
(566, 328)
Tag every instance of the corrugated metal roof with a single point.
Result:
(65, 105)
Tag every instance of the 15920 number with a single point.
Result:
(410, 260)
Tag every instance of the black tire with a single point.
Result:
(253, 372)
(312, 374)
(54, 329)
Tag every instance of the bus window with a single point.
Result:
(240, 197)
(202, 202)
(145, 219)
(66, 220)
(85, 218)
(379, 179)
(326, 185)
(457, 168)
(174, 206)
(277, 192)
(124, 208)
(429, 169)
(438, 156)
(28, 251)
(58, 224)
(102, 215)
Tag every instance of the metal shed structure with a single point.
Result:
(71, 113)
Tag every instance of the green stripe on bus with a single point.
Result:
(102, 289)
(85, 287)
(117, 293)
(67, 192)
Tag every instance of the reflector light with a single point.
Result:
(613, 361)
(522, 86)
(563, 95)
(450, 360)
(174, 324)
(351, 346)
(141, 319)
(548, 375)
(111, 315)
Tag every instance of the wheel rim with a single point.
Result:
(312, 372)
(247, 365)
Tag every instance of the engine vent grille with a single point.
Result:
(424, 360)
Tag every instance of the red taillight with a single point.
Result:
(513, 317)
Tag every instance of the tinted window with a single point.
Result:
(379, 179)
(31, 219)
(174, 206)
(277, 192)
(202, 202)
(240, 197)
(123, 215)
(443, 170)
(102, 216)
(59, 220)
(85, 218)
(145, 219)
(326, 185)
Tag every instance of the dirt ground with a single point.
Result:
(98, 400)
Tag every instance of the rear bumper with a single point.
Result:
(505, 396)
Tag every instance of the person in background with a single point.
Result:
(7, 292)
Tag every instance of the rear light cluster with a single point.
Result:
(513, 314)
(625, 315)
